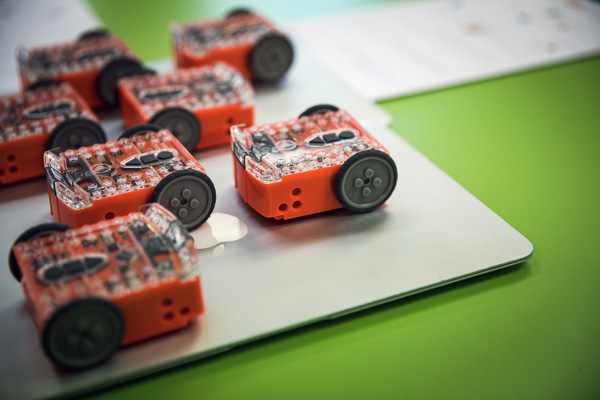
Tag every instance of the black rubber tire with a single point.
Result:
(318, 109)
(32, 233)
(106, 83)
(271, 57)
(139, 130)
(238, 11)
(93, 34)
(182, 123)
(83, 333)
(359, 174)
(75, 133)
(43, 83)
(173, 186)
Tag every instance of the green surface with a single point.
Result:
(526, 145)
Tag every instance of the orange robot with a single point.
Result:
(100, 182)
(41, 118)
(110, 284)
(92, 64)
(321, 161)
(198, 105)
(243, 39)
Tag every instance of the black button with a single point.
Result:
(112, 247)
(54, 273)
(317, 141)
(164, 155)
(346, 135)
(92, 262)
(155, 246)
(331, 137)
(149, 159)
(134, 163)
(73, 267)
(125, 255)
(38, 263)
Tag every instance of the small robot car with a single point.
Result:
(93, 289)
(92, 64)
(243, 39)
(321, 161)
(198, 105)
(48, 117)
(103, 181)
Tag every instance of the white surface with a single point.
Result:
(397, 49)
(282, 274)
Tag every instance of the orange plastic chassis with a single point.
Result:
(294, 196)
(237, 56)
(84, 82)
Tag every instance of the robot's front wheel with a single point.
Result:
(83, 333)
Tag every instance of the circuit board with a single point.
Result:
(308, 143)
(201, 37)
(39, 111)
(70, 58)
(81, 176)
(194, 89)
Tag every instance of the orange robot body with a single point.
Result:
(91, 64)
(38, 119)
(243, 39)
(198, 105)
(110, 284)
(116, 178)
(322, 161)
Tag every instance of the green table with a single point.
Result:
(528, 146)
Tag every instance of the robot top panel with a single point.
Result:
(201, 37)
(70, 58)
(211, 86)
(39, 111)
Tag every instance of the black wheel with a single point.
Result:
(188, 194)
(318, 109)
(271, 57)
(109, 75)
(83, 333)
(42, 83)
(182, 123)
(75, 133)
(139, 130)
(32, 233)
(236, 12)
(366, 180)
(93, 34)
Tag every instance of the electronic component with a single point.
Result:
(86, 303)
(100, 182)
(198, 105)
(92, 64)
(50, 116)
(243, 39)
(322, 161)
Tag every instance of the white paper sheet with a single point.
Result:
(393, 50)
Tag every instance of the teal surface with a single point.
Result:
(528, 146)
